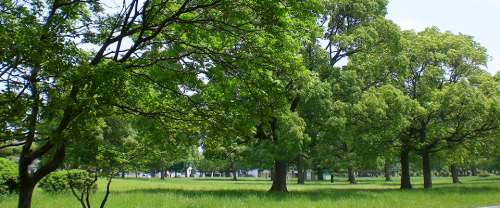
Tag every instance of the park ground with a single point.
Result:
(219, 193)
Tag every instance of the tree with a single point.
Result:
(135, 59)
(437, 63)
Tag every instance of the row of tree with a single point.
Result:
(316, 84)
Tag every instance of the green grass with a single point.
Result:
(370, 192)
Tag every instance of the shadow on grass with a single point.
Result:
(314, 194)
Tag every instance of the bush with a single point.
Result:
(484, 174)
(8, 176)
(63, 180)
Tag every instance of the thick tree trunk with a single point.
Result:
(28, 181)
(426, 168)
(301, 176)
(162, 174)
(271, 174)
(279, 176)
(454, 173)
(387, 170)
(331, 177)
(405, 168)
(25, 194)
(350, 174)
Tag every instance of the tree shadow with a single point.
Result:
(311, 194)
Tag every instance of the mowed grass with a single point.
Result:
(217, 193)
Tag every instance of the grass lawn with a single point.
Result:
(216, 193)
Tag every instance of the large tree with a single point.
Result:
(64, 62)
(439, 63)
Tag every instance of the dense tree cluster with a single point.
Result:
(222, 85)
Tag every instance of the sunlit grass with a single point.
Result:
(370, 192)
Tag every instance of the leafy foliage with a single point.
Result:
(8, 176)
(64, 180)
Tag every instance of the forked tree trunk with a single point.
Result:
(28, 180)
(426, 168)
(279, 176)
(454, 173)
(405, 168)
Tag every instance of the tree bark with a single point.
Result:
(25, 194)
(426, 168)
(405, 168)
(454, 173)
(387, 170)
(279, 176)
(350, 174)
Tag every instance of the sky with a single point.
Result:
(478, 18)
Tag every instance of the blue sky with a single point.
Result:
(478, 18)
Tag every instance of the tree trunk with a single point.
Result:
(279, 177)
(405, 168)
(331, 177)
(234, 170)
(123, 174)
(454, 173)
(426, 168)
(28, 181)
(106, 195)
(301, 176)
(350, 174)
(319, 173)
(162, 174)
(25, 194)
(387, 170)
(271, 174)
(473, 170)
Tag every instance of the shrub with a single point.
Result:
(484, 174)
(8, 176)
(63, 180)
